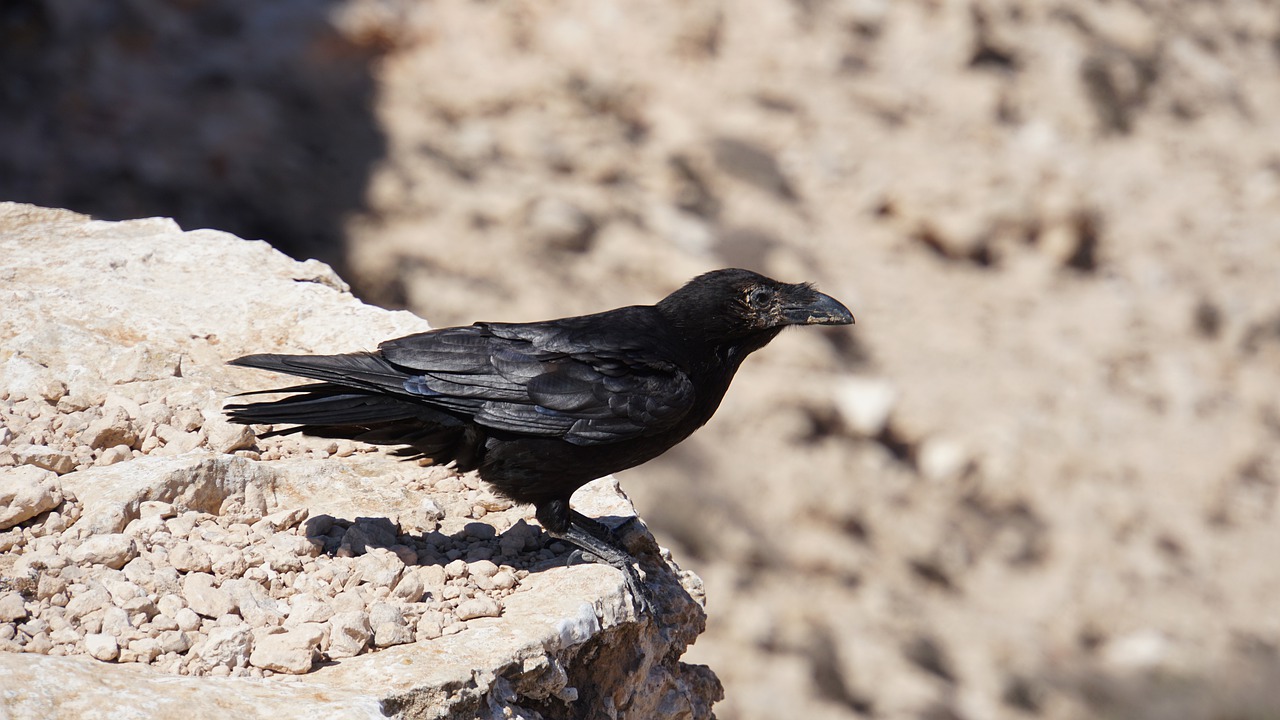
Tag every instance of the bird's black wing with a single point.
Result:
(587, 380)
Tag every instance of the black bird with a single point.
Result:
(541, 409)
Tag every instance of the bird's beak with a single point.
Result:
(820, 310)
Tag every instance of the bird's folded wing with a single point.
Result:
(517, 384)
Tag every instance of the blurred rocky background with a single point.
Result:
(1038, 479)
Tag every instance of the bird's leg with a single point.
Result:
(596, 549)
(605, 534)
(595, 543)
(597, 529)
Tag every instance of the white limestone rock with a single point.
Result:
(174, 641)
(187, 558)
(142, 650)
(293, 651)
(227, 647)
(188, 620)
(111, 429)
(60, 462)
(113, 550)
(349, 634)
(478, 607)
(25, 492)
(12, 607)
(205, 598)
(307, 608)
(102, 646)
(410, 586)
(380, 567)
(388, 634)
(253, 602)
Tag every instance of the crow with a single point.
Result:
(541, 409)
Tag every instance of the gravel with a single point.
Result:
(249, 590)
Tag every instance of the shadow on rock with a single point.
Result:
(489, 559)
(250, 118)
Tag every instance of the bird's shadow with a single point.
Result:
(522, 546)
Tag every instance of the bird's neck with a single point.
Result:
(719, 361)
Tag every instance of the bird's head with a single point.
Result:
(734, 305)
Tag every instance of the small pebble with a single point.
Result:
(115, 454)
(478, 607)
(12, 607)
(113, 550)
(390, 634)
(482, 568)
(102, 647)
(187, 620)
(455, 569)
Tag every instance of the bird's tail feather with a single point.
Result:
(361, 397)
(323, 404)
(328, 410)
(354, 370)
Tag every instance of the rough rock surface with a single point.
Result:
(197, 551)
(25, 493)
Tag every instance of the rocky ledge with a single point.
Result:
(158, 560)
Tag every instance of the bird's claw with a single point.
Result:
(581, 557)
(636, 587)
(638, 590)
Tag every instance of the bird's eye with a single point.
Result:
(759, 297)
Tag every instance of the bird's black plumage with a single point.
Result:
(540, 409)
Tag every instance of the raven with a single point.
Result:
(541, 409)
